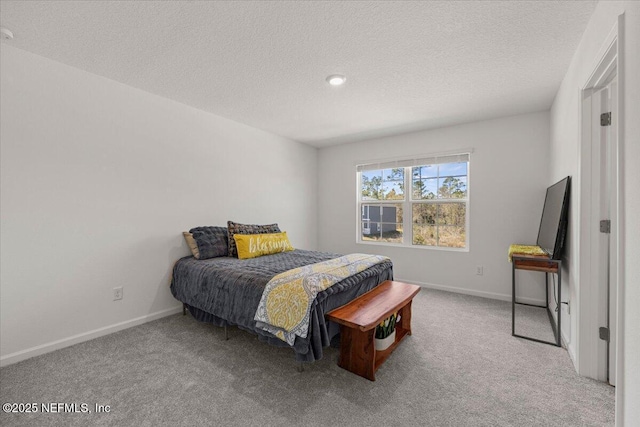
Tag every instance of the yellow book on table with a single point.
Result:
(526, 250)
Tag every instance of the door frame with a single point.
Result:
(589, 357)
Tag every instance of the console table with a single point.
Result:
(546, 265)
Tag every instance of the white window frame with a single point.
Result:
(407, 163)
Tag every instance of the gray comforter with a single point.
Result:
(226, 291)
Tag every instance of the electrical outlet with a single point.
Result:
(118, 293)
(479, 270)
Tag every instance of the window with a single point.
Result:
(429, 193)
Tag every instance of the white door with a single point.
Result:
(605, 107)
(612, 173)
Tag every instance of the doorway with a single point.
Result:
(599, 243)
(604, 145)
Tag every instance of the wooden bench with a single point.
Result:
(358, 321)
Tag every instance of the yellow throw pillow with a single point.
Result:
(255, 245)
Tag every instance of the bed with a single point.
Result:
(226, 291)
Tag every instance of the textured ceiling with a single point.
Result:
(409, 65)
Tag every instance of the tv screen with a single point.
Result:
(553, 225)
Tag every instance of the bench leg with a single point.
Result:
(357, 352)
(405, 317)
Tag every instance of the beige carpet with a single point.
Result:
(461, 367)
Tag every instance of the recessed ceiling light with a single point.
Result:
(6, 33)
(336, 79)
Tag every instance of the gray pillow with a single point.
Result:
(212, 241)
(235, 228)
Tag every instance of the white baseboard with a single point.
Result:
(86, 336)
(569, 349)
(483, 294)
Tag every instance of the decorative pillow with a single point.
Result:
(212, 242)
(191, 242)
(235, 228)
(255, 245)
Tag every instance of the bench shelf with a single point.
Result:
(358, 321)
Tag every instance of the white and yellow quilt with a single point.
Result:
(286, 301)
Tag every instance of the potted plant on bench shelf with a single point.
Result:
(386, 332)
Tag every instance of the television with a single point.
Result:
(553, 225)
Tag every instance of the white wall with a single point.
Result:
(565, 142)
(508, 180)
(98, 180)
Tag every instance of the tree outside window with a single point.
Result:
(435, 205)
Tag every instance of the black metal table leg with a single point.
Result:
(555, 326)
(559, 336)
(546, 288)
(513, 298)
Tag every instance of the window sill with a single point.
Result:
(400, 245)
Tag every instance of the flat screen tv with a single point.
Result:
(553, 225)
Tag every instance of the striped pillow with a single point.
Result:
(236, 228)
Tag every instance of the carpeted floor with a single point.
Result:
(461, 367)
